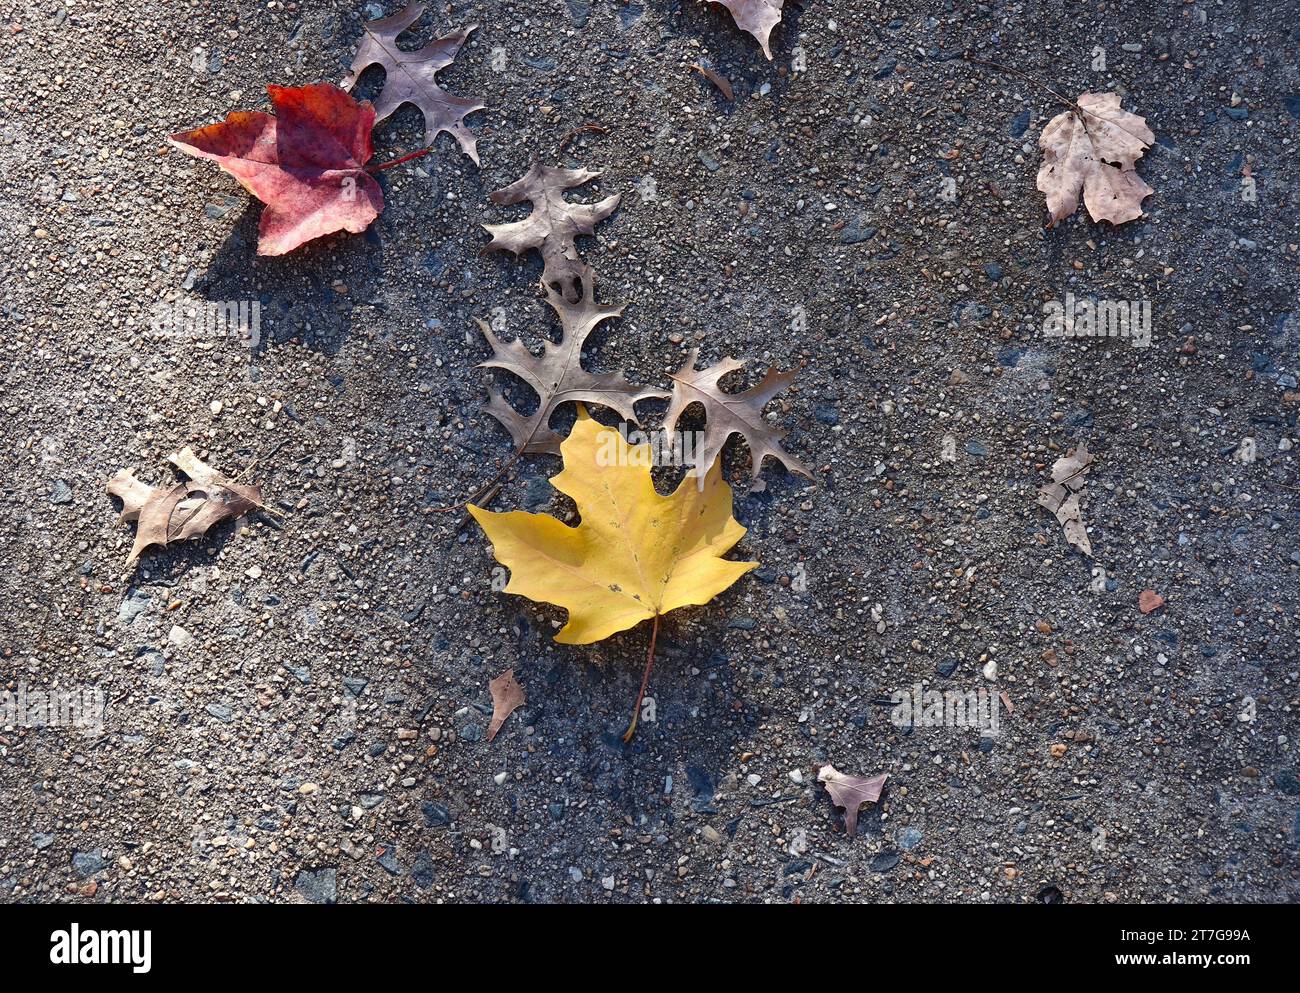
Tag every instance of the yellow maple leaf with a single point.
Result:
(635, 555)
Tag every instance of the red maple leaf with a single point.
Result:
(306, 163)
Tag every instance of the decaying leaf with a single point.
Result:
(553, 226)
(758, 17)
(730, 413)
(850, 792)
(1061, 495)
(1095, 149)
(557, 374)
(1149, 600)
(717, 79)
(306, 163)
(507, 695)
(409, 77)
(635, 555)
(167, 514)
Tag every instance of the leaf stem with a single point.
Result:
(590, 127)
(486, 486)
(645, 681)
(398, 161)
(1025, 76)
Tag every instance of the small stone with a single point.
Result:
(61, 492)
(179, 637)
(908, 838)
(317, 885)
(221, 712)
(710, 834)
(215, 406)
(435, 814)
(87, 863)
(1059, 750)
(388, 860)
(886, 861)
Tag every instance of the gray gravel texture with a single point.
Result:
(314, 729)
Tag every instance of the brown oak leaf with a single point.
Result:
(409, 77)
(758, 17)
(1061, 495)
(557, 374)
(553, 226)
(1095, 149)
(185, 510)
(850, 792)
(306, 163)
(507, 695)
(730, 413)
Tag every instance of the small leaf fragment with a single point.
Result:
(850, 792)
(717, 79)
(507, 695)
(1149, 600)
(1061, 495)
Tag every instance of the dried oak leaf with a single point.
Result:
(1095, 150)
(507, 695)
(557, 374)
(1061, 495)
(634, 556)
(730, 413)
(167, 514)
(850, 792)
(306, 163)
(409, 77)
(758, 17)
(553, 226)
